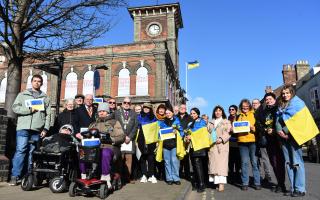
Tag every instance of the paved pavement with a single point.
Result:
(233, 192)
(137, 191)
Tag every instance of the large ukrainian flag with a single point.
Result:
(150, 132)
(299, 121)
(200, 139)
(192, 65)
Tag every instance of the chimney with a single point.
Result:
(289, 74)
(302, 69)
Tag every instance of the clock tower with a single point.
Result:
(158, 23)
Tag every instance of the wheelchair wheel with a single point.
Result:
(73, 189)
(57, 185)
(27, 182)
(103, 192)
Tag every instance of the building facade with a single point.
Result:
(147, 70)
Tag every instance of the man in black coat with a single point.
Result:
(86, 113)
(185, 119)
(129, 123)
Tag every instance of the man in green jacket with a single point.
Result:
(33, 123)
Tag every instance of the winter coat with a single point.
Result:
(185, 120)
(166, 123)
(104, 125)
(67, 117)
(129, 126)
(219, 153)
(250, 136)
(84, 119)
(144, 148)
(37, 121)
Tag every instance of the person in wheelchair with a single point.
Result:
(112, 136)
(59, 142)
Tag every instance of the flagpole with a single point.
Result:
(186, 84)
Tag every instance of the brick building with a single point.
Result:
(147, 70)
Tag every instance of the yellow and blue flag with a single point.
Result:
(200, 139)
(192, 65)
(150, 132)
(299, 121)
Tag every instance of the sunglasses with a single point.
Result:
(111, 102)
(232, 109)
(125, 102)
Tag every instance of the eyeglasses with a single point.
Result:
(125, 102)
(111, 102)
(231, 109)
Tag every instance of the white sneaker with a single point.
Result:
(83, 176)
(153, 179)
(143, 179)
(211, 178)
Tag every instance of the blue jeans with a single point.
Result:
(295, 165)
(22, 148)
(248, 153)
(171, 164)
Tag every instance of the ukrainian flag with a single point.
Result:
(150, 132)
(192, 65)
(299, 121)
(200, 139)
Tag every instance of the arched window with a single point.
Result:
(45, 83)
(88, 83)
(142, 82)
(3, 88)
(29, 85)
(124, 83)
(71, 88)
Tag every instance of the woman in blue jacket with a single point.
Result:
(172, 164)
(198, 180)
(147, 150)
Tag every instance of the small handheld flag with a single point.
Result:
(192, 65)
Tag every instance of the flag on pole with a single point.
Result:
(192, 65)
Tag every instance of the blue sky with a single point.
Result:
(241, 45)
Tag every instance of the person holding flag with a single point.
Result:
(171, 127)
(147, 139)
(295, 126)
(198, 136)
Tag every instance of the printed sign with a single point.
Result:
(37, 104)
(166, 133)
(90, 142)
(97, 100)
(126, 147)
(241, 127)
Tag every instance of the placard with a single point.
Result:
(126, 147)
(37, 104)
(241, 127)
(167, 133)
(90, 142)
(97, 100)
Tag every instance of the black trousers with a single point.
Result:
(147, 162)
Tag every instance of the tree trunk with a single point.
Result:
(13, 84)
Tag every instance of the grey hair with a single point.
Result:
(68, 100)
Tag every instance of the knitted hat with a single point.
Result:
(67, 126)
(103, 107)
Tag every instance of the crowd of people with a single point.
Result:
(267, 145)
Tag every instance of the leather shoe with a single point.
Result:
(244, 187)
(177, 182)
(257, 187)
(298, 194)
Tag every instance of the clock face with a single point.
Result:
(154, 29)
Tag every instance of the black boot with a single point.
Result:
(200, 175)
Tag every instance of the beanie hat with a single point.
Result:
(103, 107)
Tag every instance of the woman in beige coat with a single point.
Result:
(219, 152)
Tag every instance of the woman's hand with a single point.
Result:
(79, 136)
(269, 131)
(252, 128)
(282, 135)
(219, 141)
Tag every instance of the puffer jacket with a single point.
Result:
(250, 136)
(27, 120)
(105, 124)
